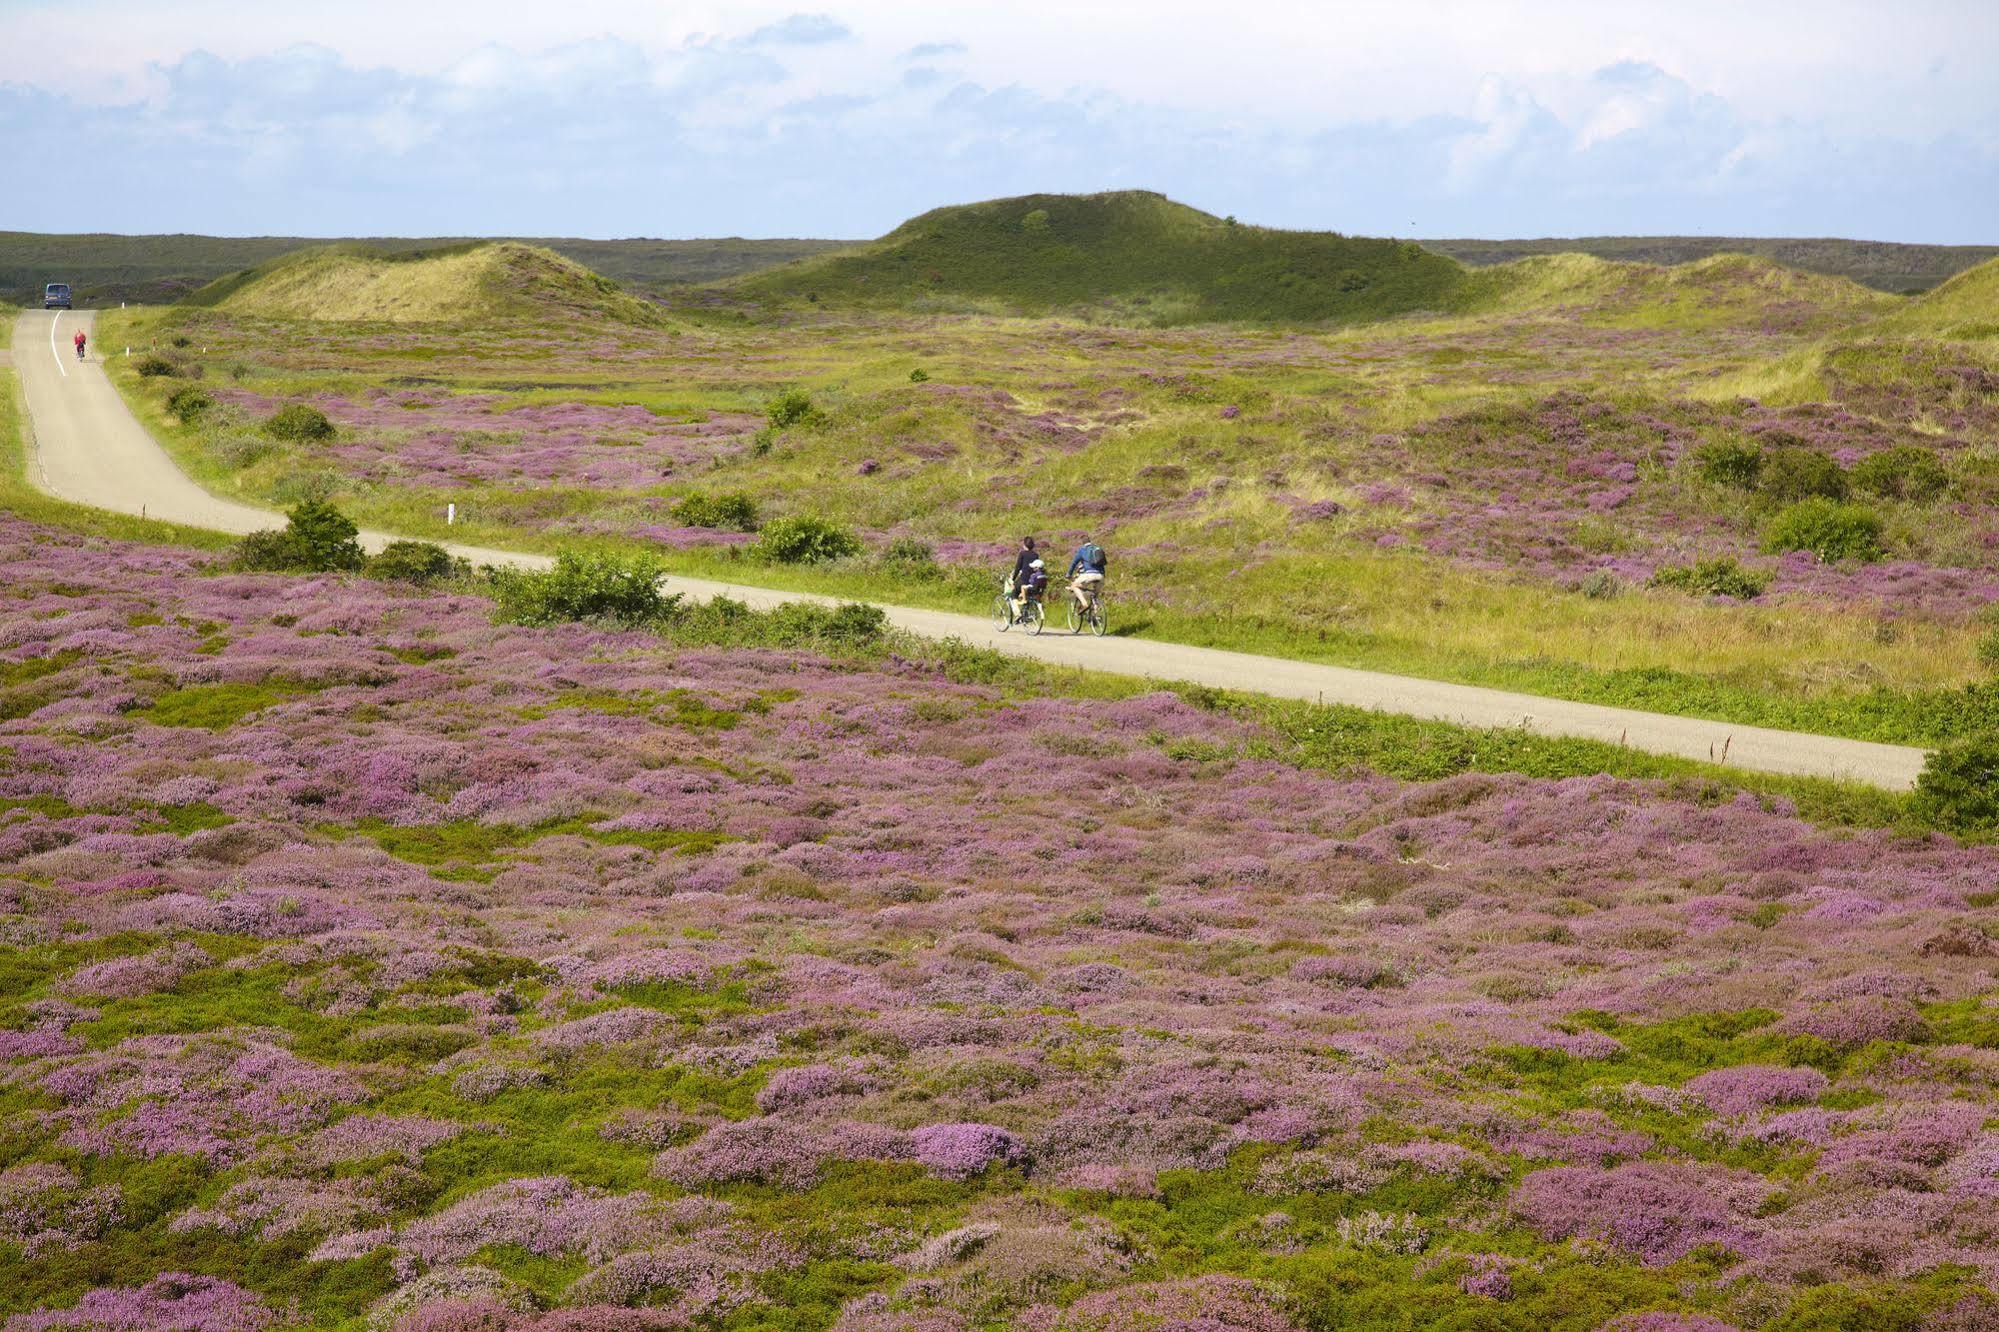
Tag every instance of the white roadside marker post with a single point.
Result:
(450, 514)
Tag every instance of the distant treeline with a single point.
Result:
(156, 269)
(1884, 265)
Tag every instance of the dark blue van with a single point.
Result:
(56, 296)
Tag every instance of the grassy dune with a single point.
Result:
(1128, 256)
(476, 282)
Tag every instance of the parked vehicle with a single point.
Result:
(55, 296)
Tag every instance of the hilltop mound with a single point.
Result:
(473, 282)
(1131, 253)
(1720, 289)
(1967, 306)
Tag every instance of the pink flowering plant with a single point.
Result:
(363, 962)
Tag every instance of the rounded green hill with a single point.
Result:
(480, 281)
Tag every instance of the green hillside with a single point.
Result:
(1967, 306)
(1130, 255)
(106, 269)
(480, 281)
(1720, 289)
(1883, 265)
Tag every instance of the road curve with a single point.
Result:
(88, 448)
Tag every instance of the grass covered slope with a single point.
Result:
(1133, 253)
(1719, 289)
(473, 283)
(1882, 265)
(1965, 307)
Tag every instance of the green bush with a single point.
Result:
(1790, 474)
(296, 423)
(919, 376)
(622, 588)
(413, 562)
(154, 367)
(1599, 585)
(1729, 463)
(723, 621)
(909, 551)
(793, 407)
(1903, 473)
(733, 512)
(1722, 577)
(1988, 650)
(1959, 786)
(317, 538)
(188, 404)
(1829, 530)
(804, 539)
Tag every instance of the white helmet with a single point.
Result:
(1036, 564)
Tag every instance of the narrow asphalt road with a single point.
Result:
(87, 447)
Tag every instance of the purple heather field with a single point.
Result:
(368, 965)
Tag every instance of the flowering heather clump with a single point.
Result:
(463, 976)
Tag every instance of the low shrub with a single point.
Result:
(1903, 473)
(1959, 785)
(919, 376)
(1988, 650)
(1599, 585)
(317, 538)
(1723, 577)
(154, 367)
(793, 407)
(804, 539)
(188, 404)
(296, 423)
(731, 512)
(621, 588)
(723, 621)
(239, 448)
(1828, 529)
(413, 562)
(1790, 474)
(909, 551)
(1727, 462)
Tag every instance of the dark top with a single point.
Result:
(1020, 563)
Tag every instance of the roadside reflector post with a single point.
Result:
(450, 514)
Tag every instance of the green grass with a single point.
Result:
(1152, 260)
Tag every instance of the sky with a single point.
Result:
(610, 118)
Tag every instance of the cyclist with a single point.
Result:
(1086, 573)
(1029, 587)
(1026, 556)
(80, 339)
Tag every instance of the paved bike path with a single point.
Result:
(89, 448)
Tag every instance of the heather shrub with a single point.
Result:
(1721, 577)
(620, 588)
(413, 562)
(317, 538)
(187, 404)
(1599, 585)
(296, 423)
(793, 407)
(804, 539)
(1730, 463)
(960, 1151)
(730, 512)
(153, 367)
(1656, 1212)
(1959, 785)
(1906, 472)
(1828, 529)
(1790, 474)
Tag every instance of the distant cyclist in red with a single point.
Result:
(80, 340)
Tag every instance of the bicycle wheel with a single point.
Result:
(1034, 617)
(1075, 615)
(1098, 623)
(1002, 617)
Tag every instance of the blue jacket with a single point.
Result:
(1089, 555)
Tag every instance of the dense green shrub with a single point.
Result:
(1790, 474)
(1905, 473)
(919, 376)
(793, 624)
(909, 551)
(1599, 585)
(793, 407)
(413, 562)
(733, 512)
(804, 539)
(1723, 577)
(1988, 650)
(153, 367)
(1727, 462)
(1959, 786)
(296, 423)
(1829, 530)
(317, 538)
(623, 588)
(188, 404)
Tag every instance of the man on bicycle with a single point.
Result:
(1086, 573)
(79, 339)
